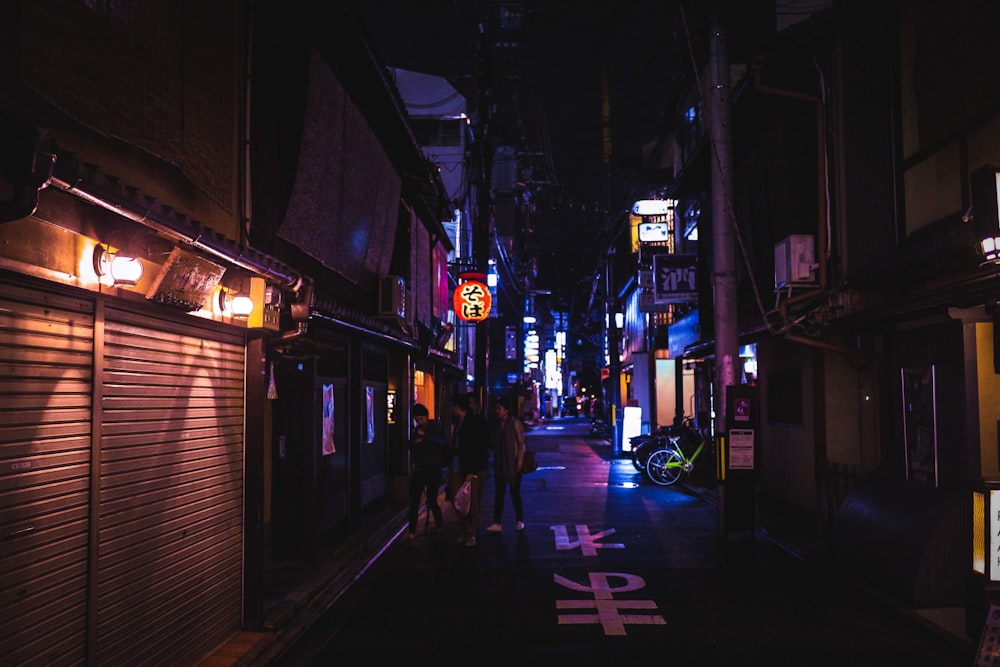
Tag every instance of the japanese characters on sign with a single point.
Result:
(472, 301)
(674, 278)
(741, 449)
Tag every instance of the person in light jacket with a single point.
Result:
(508, 453)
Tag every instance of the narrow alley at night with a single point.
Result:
(273, 276)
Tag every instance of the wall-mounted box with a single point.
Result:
(794, 261)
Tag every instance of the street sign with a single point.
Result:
(674, 278)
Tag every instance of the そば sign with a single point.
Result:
(471, 301)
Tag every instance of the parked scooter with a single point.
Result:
(599, 428)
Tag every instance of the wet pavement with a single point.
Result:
(610, 570)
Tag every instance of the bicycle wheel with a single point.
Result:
(664, 467)
(639, 454)
(635, 460)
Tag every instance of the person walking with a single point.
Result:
(508, 453)
(429, 453)
(472, 438)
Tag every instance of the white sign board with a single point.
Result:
(741, 449)
(631, 426)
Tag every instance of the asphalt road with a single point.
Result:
(610, 570)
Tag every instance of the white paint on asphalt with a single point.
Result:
(586, 542)
(608, 615)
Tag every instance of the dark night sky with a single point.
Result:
(548, 91)
(548, 94)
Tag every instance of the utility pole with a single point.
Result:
(736, 493)
(723, 238)
(610, 297)
(484, 195)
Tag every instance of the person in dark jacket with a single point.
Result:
(472, 444)
(429, 453)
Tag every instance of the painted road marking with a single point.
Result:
(608, 609)
(584, 540)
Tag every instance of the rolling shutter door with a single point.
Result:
(46, 357)
(171, 498)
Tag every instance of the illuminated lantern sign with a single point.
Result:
(472, 301)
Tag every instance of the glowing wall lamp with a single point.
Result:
(991, 248)
(116, 268)
(242, 305)
(235, 304)
(986, 212)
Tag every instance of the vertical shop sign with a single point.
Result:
(390, 406)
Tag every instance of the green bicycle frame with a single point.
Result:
(686, 462)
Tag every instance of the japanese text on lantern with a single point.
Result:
(472, 301)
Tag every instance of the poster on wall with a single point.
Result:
(370, 413)
(920, 424)
(328, 446)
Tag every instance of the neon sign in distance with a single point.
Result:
(472, 301)
(646, 207)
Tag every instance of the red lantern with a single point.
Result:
(472, 300)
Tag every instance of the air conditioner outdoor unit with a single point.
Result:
(392, 297)
(794, 261)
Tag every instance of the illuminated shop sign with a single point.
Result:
(472, 301)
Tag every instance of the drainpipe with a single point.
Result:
(822, 185)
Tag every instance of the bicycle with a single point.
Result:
(643, 445)
(665, 465)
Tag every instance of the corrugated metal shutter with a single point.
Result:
(171, 498)
(46, 360)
